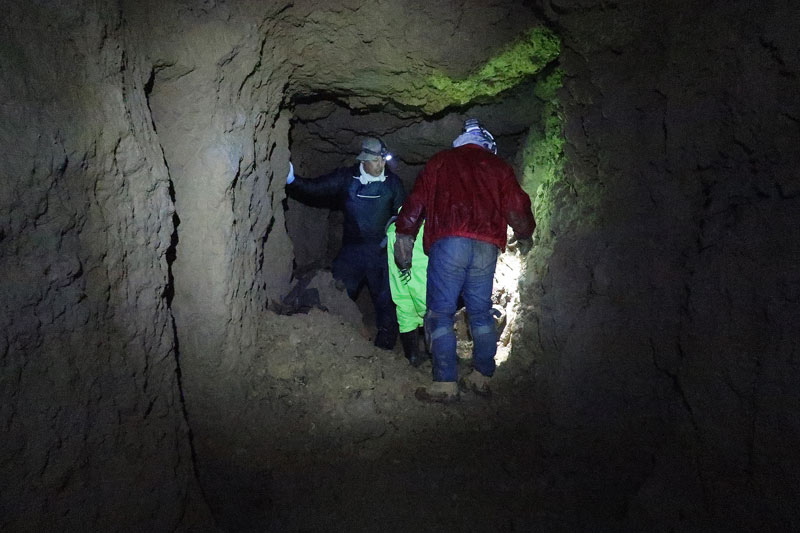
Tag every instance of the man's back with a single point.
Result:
(467, 192)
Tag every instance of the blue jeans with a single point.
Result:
(461, 266)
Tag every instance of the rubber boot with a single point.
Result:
(410, 342)
(385, 339)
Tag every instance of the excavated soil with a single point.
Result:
(335, 440)
(332, 438)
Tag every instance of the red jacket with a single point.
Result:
(467, 192)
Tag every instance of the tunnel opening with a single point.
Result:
(325, 133)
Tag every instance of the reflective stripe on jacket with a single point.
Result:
(367, 208)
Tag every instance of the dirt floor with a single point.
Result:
(331, 438)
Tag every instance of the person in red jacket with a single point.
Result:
(467, 196)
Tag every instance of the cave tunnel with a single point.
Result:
(153, 380)
(325, 134)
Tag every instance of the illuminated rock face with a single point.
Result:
(92, 427)
(144, 147)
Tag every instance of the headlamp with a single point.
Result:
(384, 153)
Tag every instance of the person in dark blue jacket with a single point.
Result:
(369, 193)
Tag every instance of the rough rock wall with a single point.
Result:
(668, 310)
(216, 102)
(93, 434)
(216, 94)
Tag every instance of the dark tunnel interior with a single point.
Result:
(159, 373)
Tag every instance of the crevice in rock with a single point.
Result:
(168, 294)
(172, 252)
(264, 241)
(148, 90)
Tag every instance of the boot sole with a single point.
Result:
(423, 395)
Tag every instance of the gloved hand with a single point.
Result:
(403, 250)
(524, 245)
(290, 175)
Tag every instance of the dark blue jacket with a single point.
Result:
(367, 208)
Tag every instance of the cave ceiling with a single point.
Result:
(325, 132)
(374, 53)
(411, 73)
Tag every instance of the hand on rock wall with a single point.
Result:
(524, 245)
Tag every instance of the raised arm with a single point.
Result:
(325, 186)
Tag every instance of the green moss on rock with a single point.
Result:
(523, 58)
(543, 154)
